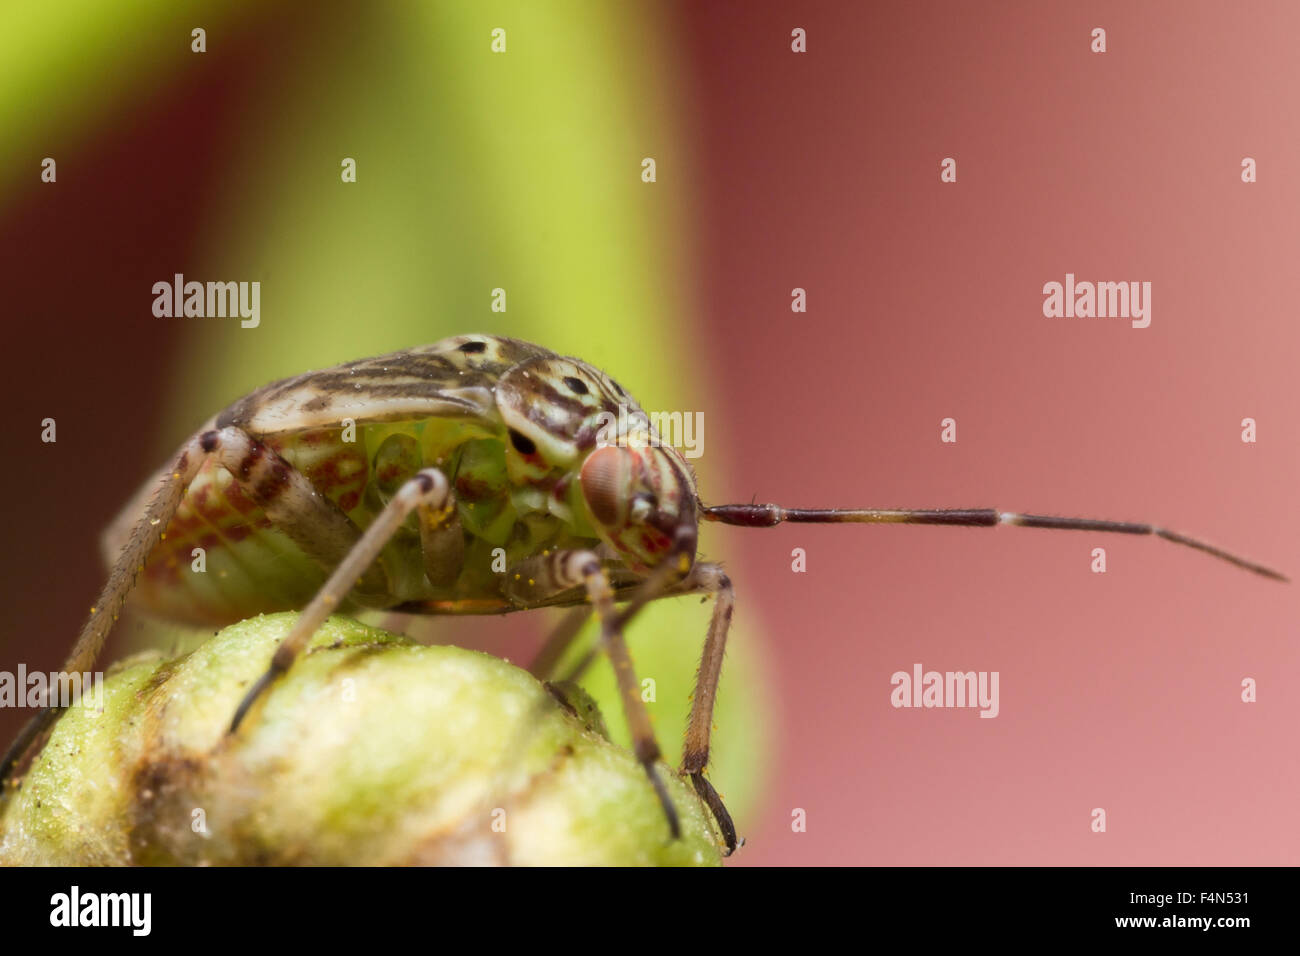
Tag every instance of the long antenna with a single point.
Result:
(767, 516)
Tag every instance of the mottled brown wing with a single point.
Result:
(453, 378)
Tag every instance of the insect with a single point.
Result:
(477, 475)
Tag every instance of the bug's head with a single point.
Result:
(641, 499)
(638, 493)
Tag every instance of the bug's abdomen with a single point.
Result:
(221, 559)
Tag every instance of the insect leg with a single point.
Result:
(558, 641)
(711, 579)
(695, 755)
(429, 488)
(31, 731)
(288, 498)
(533, 583)
(536, 579)
(442, 541)
(144, 538)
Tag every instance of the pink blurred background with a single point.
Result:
(821, 171)
(1118, 690)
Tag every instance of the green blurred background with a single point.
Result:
(476, 170)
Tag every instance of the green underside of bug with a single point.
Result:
(372, 750)
(252, 567)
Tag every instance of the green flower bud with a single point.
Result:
(371, 750)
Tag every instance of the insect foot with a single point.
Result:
(373, 750)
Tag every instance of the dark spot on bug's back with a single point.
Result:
(208, 441)
(522, 443)
(576, 385)
(470, 347)
(252, 458)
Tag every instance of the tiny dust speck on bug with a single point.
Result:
(477, 475)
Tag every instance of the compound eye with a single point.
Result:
(606, 477)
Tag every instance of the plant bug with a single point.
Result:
(399, 482)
